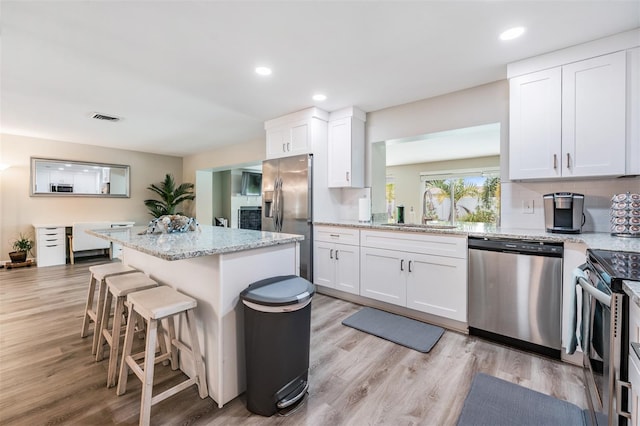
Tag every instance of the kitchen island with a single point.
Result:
(212, 265)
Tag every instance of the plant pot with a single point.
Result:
(18, 256)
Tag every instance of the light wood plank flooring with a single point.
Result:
(48, 376)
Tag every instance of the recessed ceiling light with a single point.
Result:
(319, 97)
(60, 168)
(512, 33)
(263, 71)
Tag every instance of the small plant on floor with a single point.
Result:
(21, 246)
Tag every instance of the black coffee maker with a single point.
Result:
(563, 212)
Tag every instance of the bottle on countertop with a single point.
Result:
(412, 215)
(400, 214)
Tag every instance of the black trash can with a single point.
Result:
(277, 327)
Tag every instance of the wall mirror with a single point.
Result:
(66, 178)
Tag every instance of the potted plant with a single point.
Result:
(170, 197)
(21, 246)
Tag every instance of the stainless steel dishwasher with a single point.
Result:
(515, 293)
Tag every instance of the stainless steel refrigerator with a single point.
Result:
(286, 203)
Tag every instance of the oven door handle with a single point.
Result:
(601, 297)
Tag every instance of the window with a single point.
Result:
(474, 195)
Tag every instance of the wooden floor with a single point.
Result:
(48, 376)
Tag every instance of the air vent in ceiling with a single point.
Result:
(104, 117)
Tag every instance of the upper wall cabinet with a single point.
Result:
(296, 133)
(346, 148)
(570, 121)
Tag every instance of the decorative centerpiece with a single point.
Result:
(170, 223)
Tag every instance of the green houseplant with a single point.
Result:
(21, 246)
(170, 196)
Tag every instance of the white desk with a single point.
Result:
(51, 242)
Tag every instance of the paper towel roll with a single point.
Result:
(364, 210)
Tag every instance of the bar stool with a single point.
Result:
(98, 275)
(154, 305)
(118, 286)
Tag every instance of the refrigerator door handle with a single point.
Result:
(275, 205)
(280, 208)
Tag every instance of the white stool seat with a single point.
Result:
(98, 275)
(100, 272)
(122, 285)
(119, 286)
(154, 305)
(160, 302)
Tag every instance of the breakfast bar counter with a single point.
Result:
(212, 265)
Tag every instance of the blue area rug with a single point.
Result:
(395, 328)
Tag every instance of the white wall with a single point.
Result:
(19, 210)
(597, 200)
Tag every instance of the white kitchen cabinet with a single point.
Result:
(535, 126)
(425, 272)
(336, 254)
(296, 133)
(594, 116)
(346, 148)
(384, 275)
(51, 245)
(438, 285)
(634, 364)
(569, 121)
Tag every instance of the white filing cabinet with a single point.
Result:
(116, 249)
(50, 245)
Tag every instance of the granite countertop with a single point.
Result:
(184, 245)
(594, 240)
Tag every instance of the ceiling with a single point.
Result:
(181, 76)
(455, 144)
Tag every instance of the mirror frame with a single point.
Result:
(33, 180)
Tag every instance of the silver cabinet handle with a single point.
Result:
(568, 160)
(619, 385)
(347, 176)
(410, 265)
(337, 255)
(284, 147)
(555, 162)
(288, 146)
(402, 264)
(334, 235)
(331, 254)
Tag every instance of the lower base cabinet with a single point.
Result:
(336, 258)
(337, 266)
(425, 272)
(433, 284)
(438, 285)
(383, 275)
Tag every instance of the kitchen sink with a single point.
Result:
(421, 225)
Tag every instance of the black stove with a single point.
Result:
(615, 266)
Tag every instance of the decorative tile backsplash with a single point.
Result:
(597, 201)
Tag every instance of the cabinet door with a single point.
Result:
(383, 275)
(324, 264)
(634, 394)
(347, 268)
(339, 151)
(438, 285)
(535, 125)
(299, 138)
(593, 116)
(276, 146)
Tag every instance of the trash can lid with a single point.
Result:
(279, 291)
